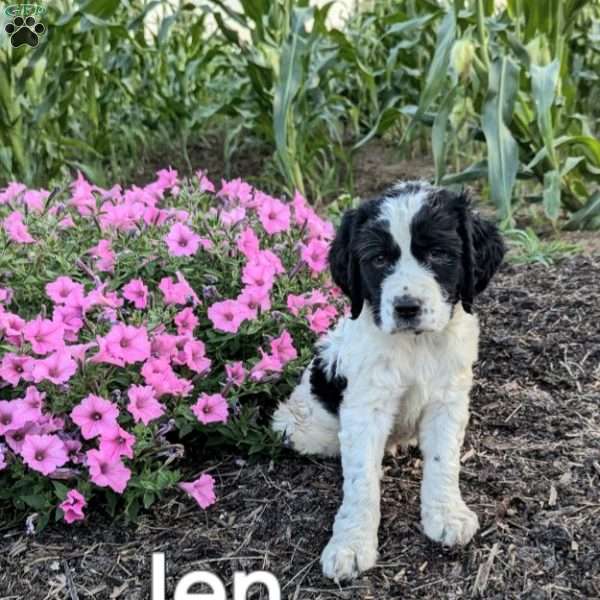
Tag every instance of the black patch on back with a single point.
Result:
(329, 390)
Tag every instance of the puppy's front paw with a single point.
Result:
(450, 525)
(345, 557)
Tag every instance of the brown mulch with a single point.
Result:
(531, 470)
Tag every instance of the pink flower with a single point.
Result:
(267, 364)
(186, 321)
(3, 462)
(95, 416)
(13, 327)
(11, 191)
(269, 259)
(14, 368)
(274, 215)
(117, 442)
(32, 404)
(296, 303)
(44, 453)
(229, 218)
(6, 295)
(44, 335)
(35, 199)
(104, 255)
(211, 408)
(321, 319)
(195, 357)
(202, 490)
(137, 292)
(105, 471)
(182, 241)
(247, 243)
(128, 343)
(236, 374)
(314, 254)
(177, 293)
(236, 189)
(58, 368)
(82, 198)
(205, 184)
(258, 275)
(15, 438)
(72, 506)
(61, 288)
(11, 415)
(228, 315)
(164, 346)
(282, 348)
(143, 404)
(253, 298)
(16, 229)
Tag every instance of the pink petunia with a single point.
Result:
(17, 230)
(105, 471)
(179, 292)
(14, 368)
(247, 243)
(12, 191)
(82, 197)
(274, 215)
(44, 453)
(253, 298)
(32, 403)
(211, 408)
(58, 367)
(296, 303)
(236, 374)
(104, 255)
(269, 259)
(236, 189)
(195, 357)
(205, 184)
(61, 288)
(228, 315)
(13, 326)
(314, 254)
(182, 241)
(164, 346)
(229, 218)
(3, 462)
(136, 292)
(267, 364)
(186, 321)
(258, 275)
(321, 319)
(15, 438)
(72, 506)
(117, 443)
(282, 348)
(44, 335)
(35, 199)
(143, 404)
(11, 415)
(128, 343)
(202, 490)
(95, 416)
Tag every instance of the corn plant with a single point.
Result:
(508, 78)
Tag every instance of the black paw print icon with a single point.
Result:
(25, 31)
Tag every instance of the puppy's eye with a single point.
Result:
(380, 261)
(436, 254)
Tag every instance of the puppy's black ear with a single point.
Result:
(488, 249)
(344, 266)
(482, 252)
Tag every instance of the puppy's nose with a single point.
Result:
(407, 307)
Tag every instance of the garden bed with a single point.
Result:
(531, 470)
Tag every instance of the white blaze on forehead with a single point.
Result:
(399, 211)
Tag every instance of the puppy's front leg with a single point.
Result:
(364, 430)
(444, 515)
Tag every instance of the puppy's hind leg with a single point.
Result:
(307, 426)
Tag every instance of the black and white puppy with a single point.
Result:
(399, 370)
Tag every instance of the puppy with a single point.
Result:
(399, 368)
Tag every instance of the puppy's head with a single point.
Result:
(412, 254)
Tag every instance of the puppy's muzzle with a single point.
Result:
(407, 312)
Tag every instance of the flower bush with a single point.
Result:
(140, 327)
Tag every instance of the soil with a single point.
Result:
(530, 469)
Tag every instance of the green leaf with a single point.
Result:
(551, 195)
(438, 71)
(543, 87)
(438, 134)
(583, 216)
(502, 149)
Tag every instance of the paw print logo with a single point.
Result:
(25, 31)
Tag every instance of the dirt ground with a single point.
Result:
(531, 470)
